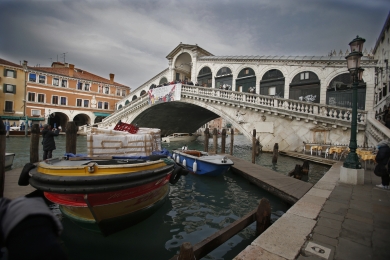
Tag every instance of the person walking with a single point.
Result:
(48, 141)
(382, 160)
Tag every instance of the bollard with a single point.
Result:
(2, 157)
(186, 252)
(254, 146)
(223, 141)
(215, 140)
(231, 141)
(276, 153)
(263, 216)
(71, 137)
(34, 143)
(206, 139)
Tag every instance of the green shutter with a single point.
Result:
(15, 73)
(4, 88)
(5, 72)
(14, 88)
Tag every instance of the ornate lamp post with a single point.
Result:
(352, 171)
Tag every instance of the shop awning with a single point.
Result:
(36, 118)
(101, 114)
(10, 117)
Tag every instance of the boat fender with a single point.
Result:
(91, 167)
(177, 158)
(25, 174)
(174, 156)
(195, 166)
(184, 162)
(184, 170)
(175, 175)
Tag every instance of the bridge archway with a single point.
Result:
(120, 106)
(246, 79)
(339, 92)
(183, 66)
(81, 119)
(143, 92)
(224, 77)
(305, 86)
(205, 77)
(58, 119)
(272, 83)
(155, 117)
(127, 102)
(134, 98)
(163, 80)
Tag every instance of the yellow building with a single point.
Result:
(13, 91)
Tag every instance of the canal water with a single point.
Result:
(197, 207)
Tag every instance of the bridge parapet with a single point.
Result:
(376, 131)
(320, 113)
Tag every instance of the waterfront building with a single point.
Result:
(13, 91)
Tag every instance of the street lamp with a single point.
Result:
(353, 64)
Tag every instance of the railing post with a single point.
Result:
(2, 157)
(34, 143)
(275, 153)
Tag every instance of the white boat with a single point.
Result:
(9, 159)
(180, 137)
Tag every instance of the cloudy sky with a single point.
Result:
(131, 38)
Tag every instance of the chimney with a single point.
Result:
(25, 64)
(112, 78)
(71, 70)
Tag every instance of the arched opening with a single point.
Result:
(205, 77)
(224, 78)
(143, 92)
(339, 92)
(127, 102)
(57, 119)
(183, 66)
(272, 83)
(152, 86)
(163, 81)
(306, 86)
(246, 80)
(134, 98)
(120, 106)
(81, 119)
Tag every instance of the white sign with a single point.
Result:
(164, 94)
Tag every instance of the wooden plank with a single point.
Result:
(12, 190)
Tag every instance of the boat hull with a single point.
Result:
(211, 165)
(178, 137)
(9, 160)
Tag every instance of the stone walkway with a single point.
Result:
(332, 221)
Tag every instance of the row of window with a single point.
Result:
(56, 100)
(33, 77)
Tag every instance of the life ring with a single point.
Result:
(25, 174)
(175, 175)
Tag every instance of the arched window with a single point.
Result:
(134, 98)
(223, 78)
(305, 86)
(143, 92)
(127, 102)
(272, 83)
(246, 80)
(339, 92)
(163, 80)
(205, 77)
(120, 106)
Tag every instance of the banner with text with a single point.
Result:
(164, 94)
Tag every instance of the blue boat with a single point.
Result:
(202, 163)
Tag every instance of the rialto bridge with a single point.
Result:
(288, 100)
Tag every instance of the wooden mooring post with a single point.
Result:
(2, 157)
(223, 141)
(215, 140)
(231, 140)
(206, 139)
(262, 215)
(275, 153)
(71, 137)
(254, 146)
(34, 143)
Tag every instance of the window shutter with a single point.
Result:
(5, 72)
(15, 73)
(14, 87)
(4, 87)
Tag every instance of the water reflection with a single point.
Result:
(197, 207)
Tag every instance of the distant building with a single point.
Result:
(57, 94)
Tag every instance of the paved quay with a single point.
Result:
(331, 221)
